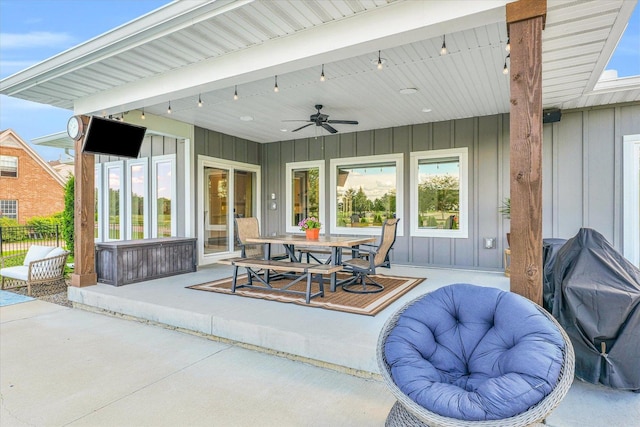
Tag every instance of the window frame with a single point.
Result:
(17, 161)
(15, 203)
(295, 166)
(144, 162)
(462, 154)
(105, 202)
(397, 158)
(100, 194)
(171, 158)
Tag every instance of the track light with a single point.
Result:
(508, 46)
(443, 49)
(379, 61)
(505, 70)
(199, 101)
(142, 116)
(322, 78)
(235, 93)
(275, 87)
(169, 109)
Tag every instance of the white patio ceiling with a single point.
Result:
(192, 49)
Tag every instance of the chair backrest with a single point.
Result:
(246, 228)
(387, 239)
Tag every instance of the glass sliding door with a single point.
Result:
(227, 190)
(216, 233)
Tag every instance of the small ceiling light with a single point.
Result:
(283, 130)
(443, 49)
(322, 78)
(508, 46)
(408, 90)
(199, 101)
(275, 87)
(142, 116)
(235, 93)
(246, 118)
(426, 110)
(379, 61)
(169, 109)
(505, 69)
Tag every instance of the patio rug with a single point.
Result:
(10, 298)
(367, 304)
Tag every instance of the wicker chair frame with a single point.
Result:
(408, 413)
(45, 276)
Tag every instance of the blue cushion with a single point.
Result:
(474, 353)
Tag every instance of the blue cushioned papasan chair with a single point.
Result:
(467, 355)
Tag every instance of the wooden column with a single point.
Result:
(84, 194)
(525, 22)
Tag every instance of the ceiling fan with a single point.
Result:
(320, 119)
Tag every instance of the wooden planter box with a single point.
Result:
(129, 261)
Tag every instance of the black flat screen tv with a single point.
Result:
(113, 138)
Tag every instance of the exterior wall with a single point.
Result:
(582, 169)
(37, 192)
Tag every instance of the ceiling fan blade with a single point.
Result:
(302, 127)
(343, 122)
(329, 128)
(306, 121)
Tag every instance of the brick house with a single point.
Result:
(29, 186)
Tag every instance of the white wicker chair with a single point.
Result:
(41, 276)
(407, 413)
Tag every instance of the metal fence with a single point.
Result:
(18, 239)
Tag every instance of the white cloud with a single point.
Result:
(35, 39)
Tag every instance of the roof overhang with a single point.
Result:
(197, 49)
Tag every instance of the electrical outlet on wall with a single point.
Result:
(489, 242)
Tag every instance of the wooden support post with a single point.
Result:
(525, 21)
(84, 222)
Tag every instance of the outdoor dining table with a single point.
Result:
(334, 243)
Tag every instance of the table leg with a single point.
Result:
(334, 261)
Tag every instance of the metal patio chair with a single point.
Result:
(363, 265)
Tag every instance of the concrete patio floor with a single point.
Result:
(61, 366)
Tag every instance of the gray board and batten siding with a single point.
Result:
(582, 177)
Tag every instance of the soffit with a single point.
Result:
(577, 42)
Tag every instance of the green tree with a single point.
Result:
(439, 193)
(68, 233)
(360, 204)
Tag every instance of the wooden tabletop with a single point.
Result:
(322, 241)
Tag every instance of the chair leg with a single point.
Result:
(360, 285)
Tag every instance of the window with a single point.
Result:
(9, 166)
(97, 210)
(9, 209)
(439, 191)
(304, 193)
(137, 202)
(164, 196)
(114, 200)
(364, 192)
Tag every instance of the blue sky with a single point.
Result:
(34, 30)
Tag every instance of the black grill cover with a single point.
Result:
(597, 300)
